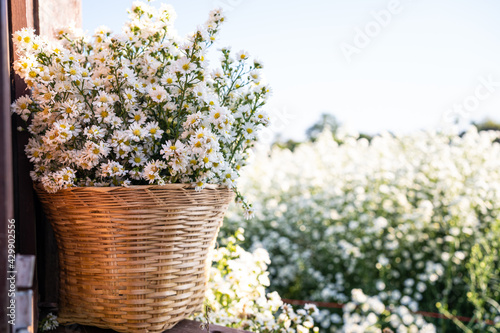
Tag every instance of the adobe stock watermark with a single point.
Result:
(463, 110)
(11, 271)
(227, 5)
(280, 119)
(365, 35)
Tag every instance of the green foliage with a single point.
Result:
(327, 121)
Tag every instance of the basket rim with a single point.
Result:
(38, 186)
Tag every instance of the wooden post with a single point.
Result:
(21, 14)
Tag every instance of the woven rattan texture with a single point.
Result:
(134, 259)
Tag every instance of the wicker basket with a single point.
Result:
(134, 259)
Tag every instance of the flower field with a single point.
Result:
(388, 228)
(236, 295)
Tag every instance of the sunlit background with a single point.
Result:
(375, 65)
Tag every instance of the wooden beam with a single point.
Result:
(185, 326)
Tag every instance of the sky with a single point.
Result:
(376, 65)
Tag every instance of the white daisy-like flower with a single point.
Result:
(170, 149)
(242, 55)
(112, 169)
(154, 130)
(94, 132)
(137, 132)
(168, 79)
(184, 65)
(129, 95)
(158, 94)
(137, 159)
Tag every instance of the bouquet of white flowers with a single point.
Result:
(141, 107)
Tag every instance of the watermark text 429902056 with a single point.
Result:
(11, 272)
